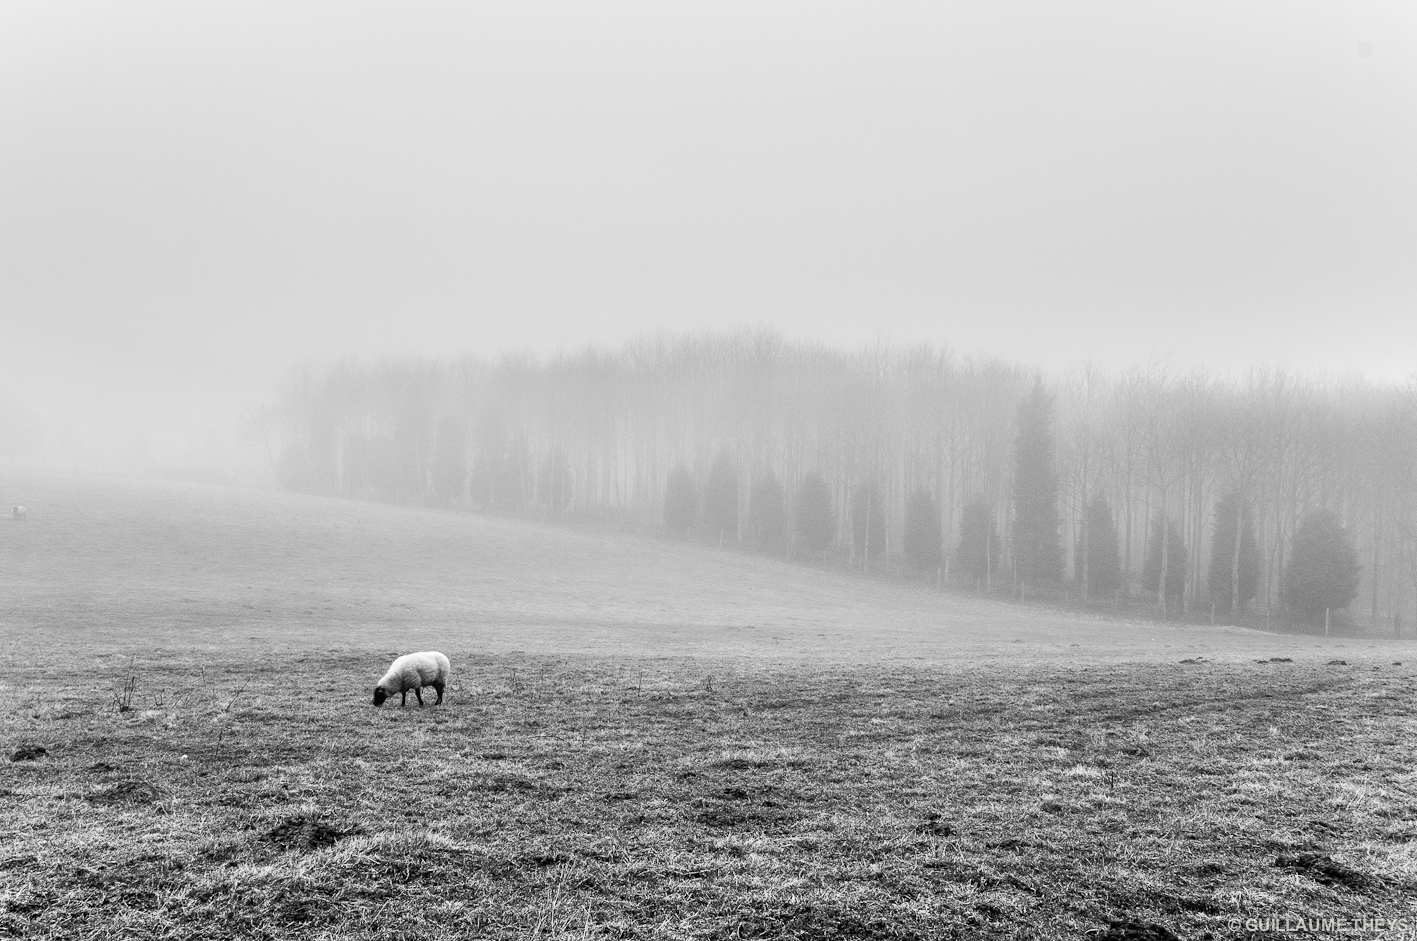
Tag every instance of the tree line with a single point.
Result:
(1181, 488)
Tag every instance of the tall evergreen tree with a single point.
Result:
(767, 513)
(1323, 568)
(681, 502)
(450, 459)
(1233, 552)
(813, 522)
(553, 486)
(977, 557)
(488, 476)
(721, 498)
(922, 536)
(489, 473)
(1102, 550)
(868, 523)
(514, 483)
(1175, 562)
(382, 460)
(1038, 550)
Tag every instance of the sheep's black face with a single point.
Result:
(379, 695)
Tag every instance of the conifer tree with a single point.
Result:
(813, 522)
(922, 536)
(553, 486)
(681, 502)
(489, 473)
(1323, 568)
(450, 459)
(1038, 551)
(767, 513)
(721, 498)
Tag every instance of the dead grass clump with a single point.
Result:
(127, 791)
(123, 696)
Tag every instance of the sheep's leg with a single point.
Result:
(439, 688)
(419, 694)
(404, 702)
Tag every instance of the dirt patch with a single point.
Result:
(544, 860)
(734, 764)
(131, 880)
(733, 816)
(306, 832)
(29, 753)
(1136, 931)
(935, 825)
(131, 791)
(1324, 870)
(823, 922)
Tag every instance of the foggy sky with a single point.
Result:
(193, 197)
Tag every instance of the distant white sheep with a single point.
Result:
(18, 512)
(413, 671)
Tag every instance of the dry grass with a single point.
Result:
(620, 799)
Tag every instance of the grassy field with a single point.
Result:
(646, 740)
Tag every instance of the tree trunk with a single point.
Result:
(988, 554)
(866, 542)
(1165, 558)
(1377, 542)
(1235, 563)
(1084, 540)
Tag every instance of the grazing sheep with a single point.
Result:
(19, 512)
(413, 671)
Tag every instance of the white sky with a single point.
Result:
(194, 196)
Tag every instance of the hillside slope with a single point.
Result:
(113, 563)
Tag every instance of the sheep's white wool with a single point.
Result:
(413, 671)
